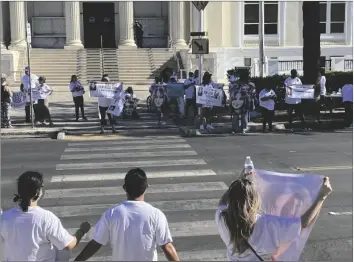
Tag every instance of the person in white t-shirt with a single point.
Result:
(347, 93)
(134, 228)
(31, 233)
(251, 236)
(26, 87)
(267, 99)
(294, 104)
(78, 91)
(103, 105)
(189, 85)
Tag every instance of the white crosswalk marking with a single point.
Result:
(90, 176)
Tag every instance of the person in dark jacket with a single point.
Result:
(6, 95)
(139, 33)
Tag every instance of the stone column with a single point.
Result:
(349, 23)
(126, 25)
(177, 22)
(17, 25)
(2, 34)
(72, 24)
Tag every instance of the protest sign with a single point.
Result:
(300, 91)
(18, 99)
(209, 96)
(175, 90)
(116, 108)
(40, 93)
(288, 195)
(106, 89)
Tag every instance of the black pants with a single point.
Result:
(267, 116)
(79, 104)
(139, 41)
(43, 110)
(28, 112)
(190, 102)
(103, 112)
(298, 111)
(348, 115)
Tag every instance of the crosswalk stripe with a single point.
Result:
(116, 191)
(178, 229)
(133, 141)
(121, 148)
(117, 176)
(199, 255)
(164, 206)
(128, 155)
(159, 163)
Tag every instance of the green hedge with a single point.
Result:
(334, 80)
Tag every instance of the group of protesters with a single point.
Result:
(248, 233)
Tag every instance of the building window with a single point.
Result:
(251, 21)
(332, 17)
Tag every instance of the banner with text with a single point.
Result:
(106, 89)
(288, 195)
(300, 91)
(209, 96)
(18, 99)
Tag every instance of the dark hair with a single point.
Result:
(129, 90)
(29, 186)
(293, 73)
(135, 182)
(105, 78)
(72, 78)
(42, 78)
(243, 205)
(206, 78)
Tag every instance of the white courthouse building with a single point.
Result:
(232, 29)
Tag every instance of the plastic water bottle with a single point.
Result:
(248, 165)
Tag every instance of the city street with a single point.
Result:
(187, 178)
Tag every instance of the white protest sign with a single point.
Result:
(300, 91)
(288, 195)
(209, 96)
(18, 99)
(116, 108)
(106, 89)
(40, 93)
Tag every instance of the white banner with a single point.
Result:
(300, 91)
(209, 96)
(106, 89)
(18, 99)
(116, 108)
(40, 93)
(288, 195)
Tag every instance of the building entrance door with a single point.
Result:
(99, 20)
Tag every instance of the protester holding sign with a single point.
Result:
(294, 104)
(29, 232)
(6, 95)
(189, 85)
(250, 235)
(78, 91)
(267, 99)
(103, 105)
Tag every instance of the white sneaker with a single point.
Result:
(162, 123)
(210, 127)
(201, 127)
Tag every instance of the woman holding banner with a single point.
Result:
(206, 112)
(78, 91)
(250, 235)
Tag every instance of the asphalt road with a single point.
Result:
(188, 176)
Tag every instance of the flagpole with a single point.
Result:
(261, 38)
(29, 66)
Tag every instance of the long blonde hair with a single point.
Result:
(243, 205)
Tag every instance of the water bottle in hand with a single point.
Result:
(249, 167)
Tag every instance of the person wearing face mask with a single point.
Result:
(189, 85)
(31, 233)
(103, 104)
(26, 87)
(78, 91)
(43, 104)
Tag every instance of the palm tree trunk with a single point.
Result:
(312, 41)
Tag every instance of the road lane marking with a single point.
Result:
(121, 148)
(321, 168)
(118, 176)
(116, 191)
(133, 141)
(341, 213)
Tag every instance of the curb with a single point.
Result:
(61, 135)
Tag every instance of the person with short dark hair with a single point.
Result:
(29, 232)
(134, 228)
(139, 33)
(42, 105)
